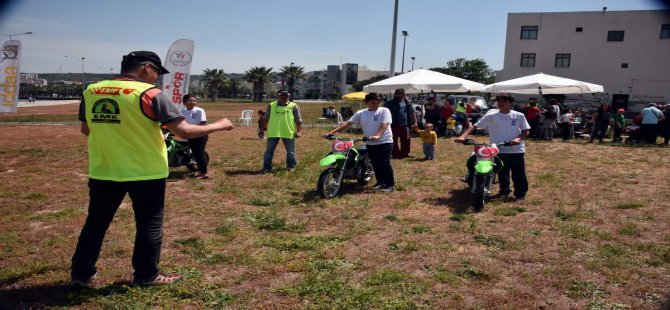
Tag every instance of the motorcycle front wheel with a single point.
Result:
(328, 186)
(479, 195)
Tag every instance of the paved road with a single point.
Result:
(41, 103)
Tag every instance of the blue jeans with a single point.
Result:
(289, 144)
(148, 199)
(429, 151)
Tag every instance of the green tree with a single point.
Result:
(258, 76)
(292, 74)
(214, 79)
(470, 69)
(333, 89)
(358, 86)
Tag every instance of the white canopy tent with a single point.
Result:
(423, 81)
(544, 84)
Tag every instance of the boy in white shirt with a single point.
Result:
(503, 125)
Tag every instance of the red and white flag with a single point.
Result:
(9, 76)
(178, 62)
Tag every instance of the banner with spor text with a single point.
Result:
(9, 76)
(178, 62)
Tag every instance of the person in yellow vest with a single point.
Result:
(284, 122)
(127, 155)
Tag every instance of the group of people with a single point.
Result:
(544, 122)
(447, 120)
(122, 119)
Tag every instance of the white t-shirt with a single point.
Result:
(565, 118)
(370, 121)
(194, 116)
(505, 127)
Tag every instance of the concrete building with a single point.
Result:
(628, 52)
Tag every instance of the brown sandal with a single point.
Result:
(162, 280)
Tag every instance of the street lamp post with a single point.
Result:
(16, 34)
(111, 70)
(83, 83)
(412, 58)
(404, 35)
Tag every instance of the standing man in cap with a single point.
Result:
(404, 119)
(284, 122)
(127, 155)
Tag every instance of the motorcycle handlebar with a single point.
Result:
(333, 137)
(473, 142)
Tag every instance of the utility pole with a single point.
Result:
(393, 36)
(83, 83)
(404, 38)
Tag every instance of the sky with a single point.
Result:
(235, 35)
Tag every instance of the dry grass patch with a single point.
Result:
(593, 233)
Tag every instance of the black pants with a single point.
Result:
(516, 164)
(148, 199)
(534, 130)
(198, 148)
(380, 157)
(649, 133)
(565, 130)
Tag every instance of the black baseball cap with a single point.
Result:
(283, 92)
(142, 57)
(372, 96)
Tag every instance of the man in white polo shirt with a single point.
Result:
(503, 125)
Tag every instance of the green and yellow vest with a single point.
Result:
(124, 144)
(282, 122)
(460, 107)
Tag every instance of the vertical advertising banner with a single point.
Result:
(178, 62)
(9, 76)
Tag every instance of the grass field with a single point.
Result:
(592, 234)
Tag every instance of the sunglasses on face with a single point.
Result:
(158, 70)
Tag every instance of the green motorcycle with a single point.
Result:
(344, 162)
(483, 165)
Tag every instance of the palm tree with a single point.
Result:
(292, 74)
(258, 76)
(214, 79)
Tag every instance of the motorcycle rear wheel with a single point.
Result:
(327, 186)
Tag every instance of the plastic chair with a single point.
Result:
(246, 117)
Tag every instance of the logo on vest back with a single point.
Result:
(106, 111)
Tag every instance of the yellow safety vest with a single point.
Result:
(124, 144)
(460, 107)
(282, 122)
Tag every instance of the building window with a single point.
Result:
(562, 61)
(579, 29)
(528, 59)
(624, 65)
(665, 31)
(615, 35)
(528, 32)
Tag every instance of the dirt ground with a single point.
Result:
(592, 234)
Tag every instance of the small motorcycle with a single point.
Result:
(485, 164)
(179, 153)
(344, 162)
